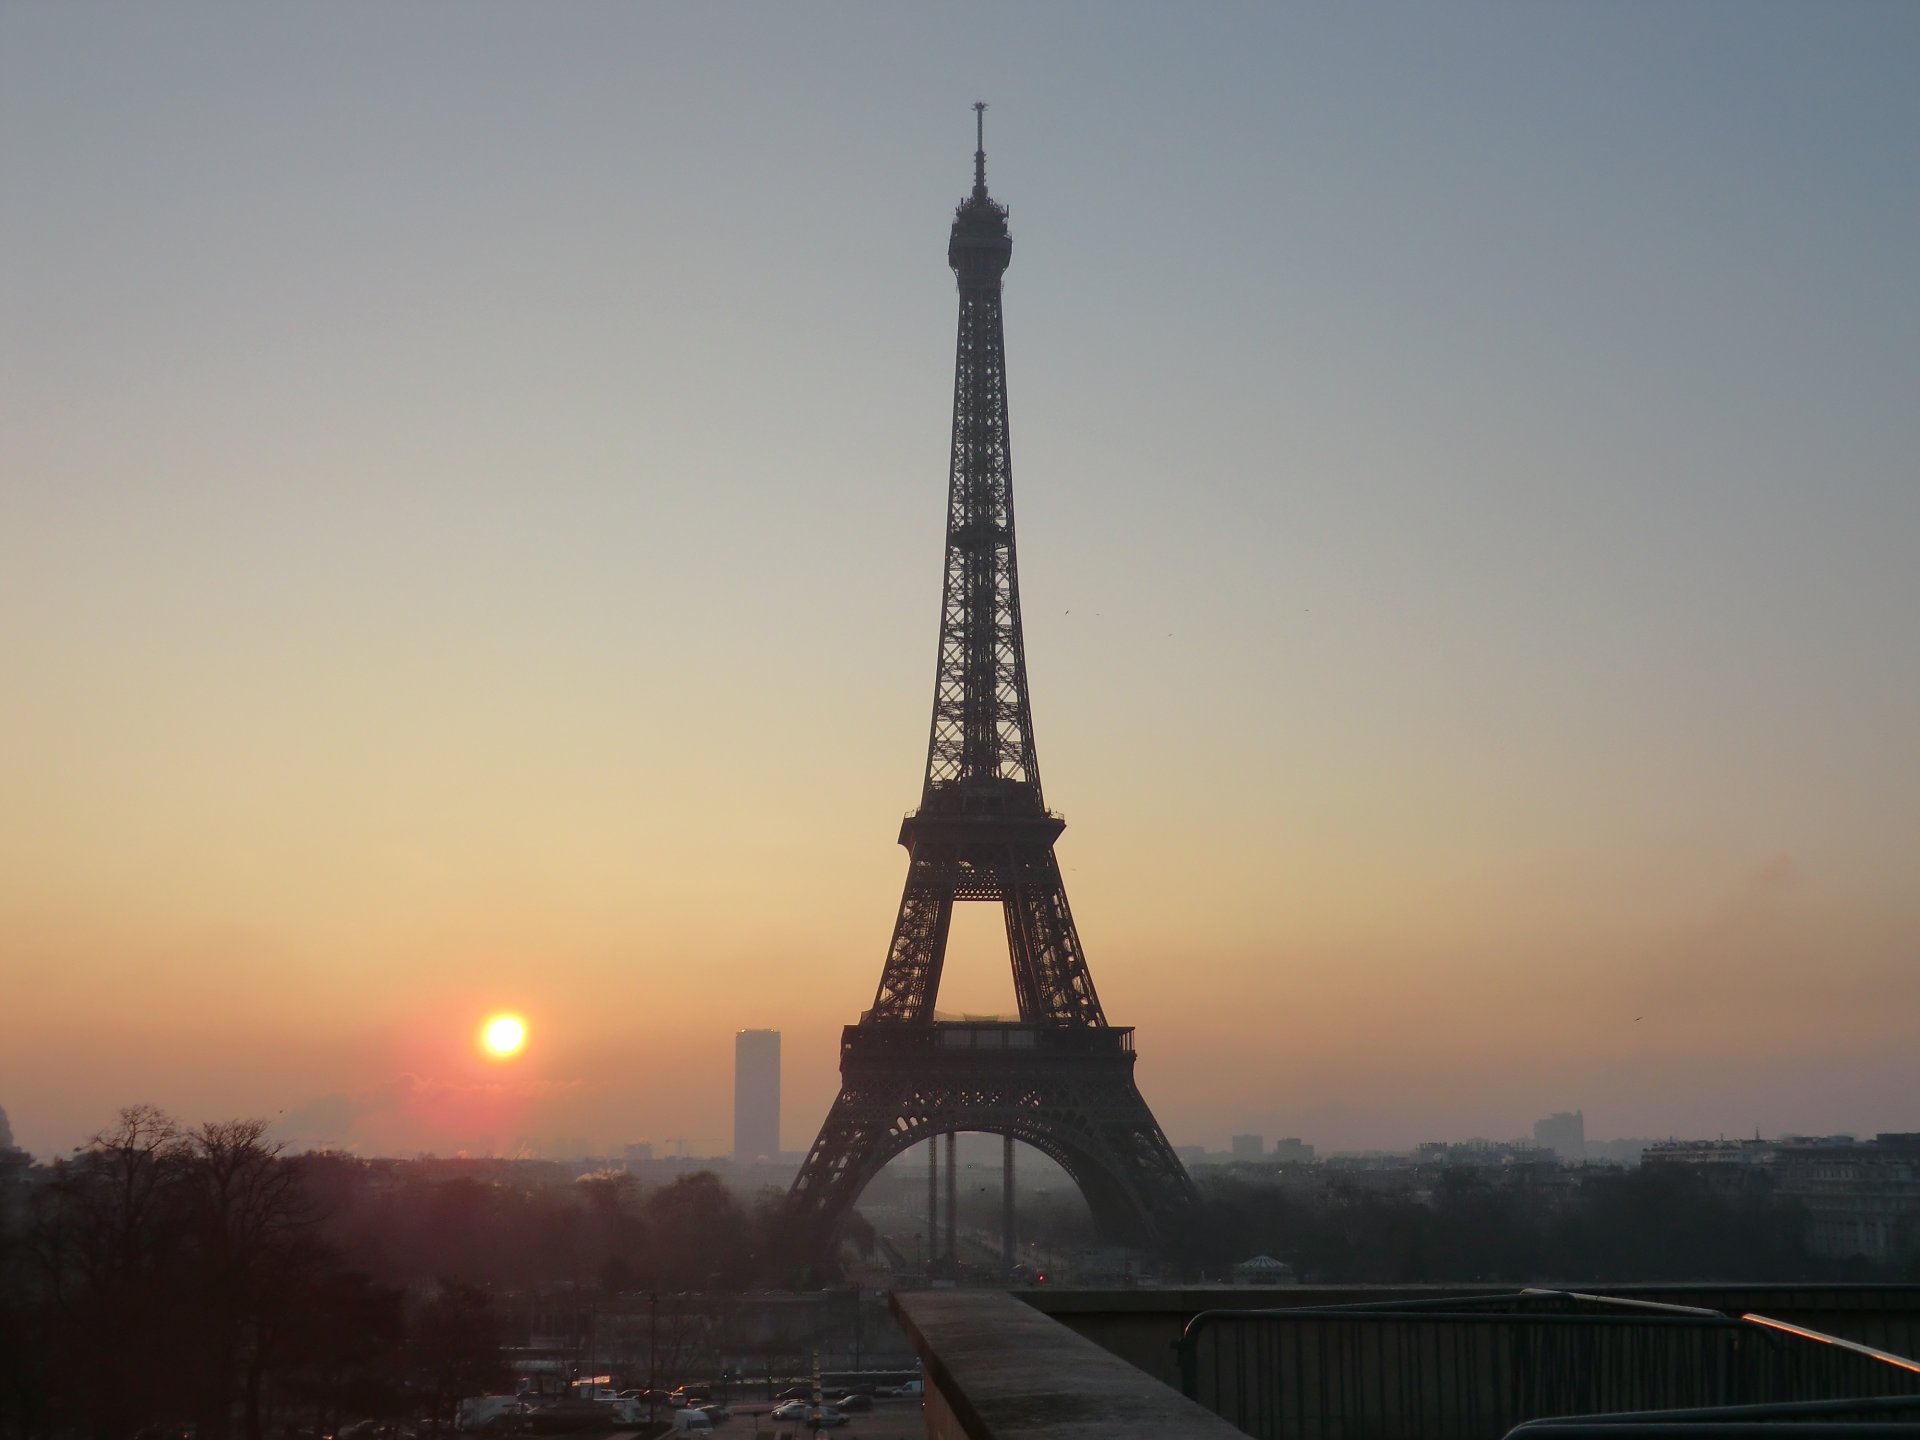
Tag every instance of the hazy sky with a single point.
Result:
(473, 485)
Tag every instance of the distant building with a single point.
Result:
(1564, 1133)
(639, 1153)
(756, 1094)
(1292, 1151)
(1481, 1152)
(1249, 1147)
(1860, 1197)
(1618, 1152)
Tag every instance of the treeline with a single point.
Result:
(1654, 1223)
(507, 1226)
(166, 1277)
(165, 1280)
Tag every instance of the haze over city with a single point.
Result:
(473, 487)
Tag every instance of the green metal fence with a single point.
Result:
(1473, 1369)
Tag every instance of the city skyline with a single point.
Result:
(473, 494)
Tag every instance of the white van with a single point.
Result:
(692, 1422)
(476, 1410)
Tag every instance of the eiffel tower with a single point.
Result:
(1060, 1078)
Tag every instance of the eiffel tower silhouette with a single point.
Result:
(1060, 1078)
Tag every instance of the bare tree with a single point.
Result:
(249, 1225)
(104, 1236)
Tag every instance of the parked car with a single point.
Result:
(716, 1411)
(799, 1390)
(792, 1410)
(691, 1421)
(912, 1387)
(853, 1400)
(826, 1415)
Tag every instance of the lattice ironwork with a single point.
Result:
(983, 833)
(982, 722)
(1069, 1094)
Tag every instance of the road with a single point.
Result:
(889, 1419)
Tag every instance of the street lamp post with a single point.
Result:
(856, 1325)
(653, 1340)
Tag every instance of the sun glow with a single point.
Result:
(502, 1036)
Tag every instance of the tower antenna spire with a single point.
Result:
(980, 149)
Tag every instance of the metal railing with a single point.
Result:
(1886, 1315)
(1854, 1419)
(1473, 1368)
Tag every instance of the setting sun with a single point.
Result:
(503, 1035)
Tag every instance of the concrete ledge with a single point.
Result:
(997, 1369)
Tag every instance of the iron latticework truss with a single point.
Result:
(982, 723)
(1068, 1093)
(983, 833)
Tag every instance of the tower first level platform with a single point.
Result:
(1069, 1093)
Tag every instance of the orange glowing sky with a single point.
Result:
(472, 498)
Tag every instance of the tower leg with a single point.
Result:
(933, 1202)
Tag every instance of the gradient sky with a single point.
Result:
(473, 478)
